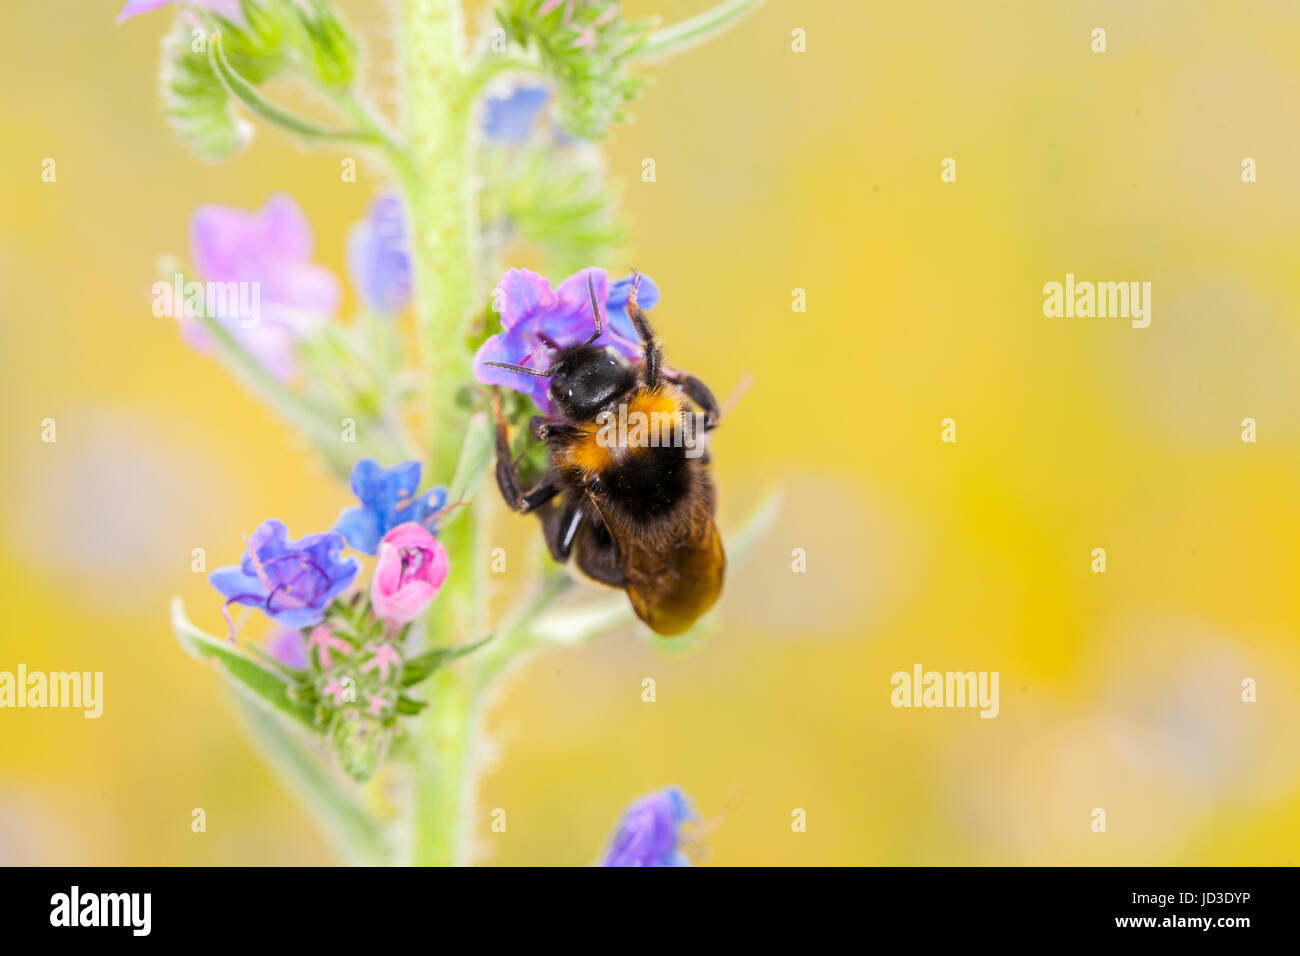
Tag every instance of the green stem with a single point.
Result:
(518, 635)
(437, 179)
(441, 821)
(255, 102)
(442, 202)
(371, 122)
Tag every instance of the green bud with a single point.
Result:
(195, 103)
(585, 48)
(332, 47)
(361, 742)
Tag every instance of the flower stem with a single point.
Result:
(438, 180)
(441, 824)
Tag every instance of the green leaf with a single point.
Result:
(410, 706)
(689, 33)
(420, 668)
(291, 676)
(245, 674)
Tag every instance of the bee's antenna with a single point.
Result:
(519, 368)
(595, 311)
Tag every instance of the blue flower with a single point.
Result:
(293, 582)
(510, 119)
(616, 314)
(388, 498)
(377, 257)
(650, 832)
(537, 319)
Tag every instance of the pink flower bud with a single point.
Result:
(412, 566)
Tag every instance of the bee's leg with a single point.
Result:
(560, 527)
(702, 396)
(508, 473)
(546, 429)
(518, 499)
(649, 344)
(599, 557)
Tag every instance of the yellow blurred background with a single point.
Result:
(776, 170)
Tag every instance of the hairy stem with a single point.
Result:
(438, 180)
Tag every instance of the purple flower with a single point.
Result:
(538, 320)
(510, 119)
(377, 258)
(230, 9)
(650, 832)
(291, 581)
(269, 253)
(388, 499)
(289, 647)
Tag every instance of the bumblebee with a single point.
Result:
(632, 504)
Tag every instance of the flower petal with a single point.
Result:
(520, 294)
(504, 348)
(573, 297)
(134, 8)
(218, 237)
(284, 227)
(360, 527)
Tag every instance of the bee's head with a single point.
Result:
(585, 379)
